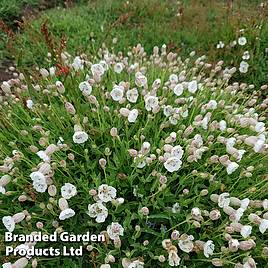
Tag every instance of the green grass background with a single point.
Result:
(87, 24)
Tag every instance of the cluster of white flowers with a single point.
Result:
(174, 137)
(105, 194)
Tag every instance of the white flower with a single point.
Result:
(132, 116)
(60, 87)
(52, 71)
(178, 89)
(156, 84)
(185, 243)
(265, 203)
(259, 144)
(173, 78)
(66, 214)
(246, 231)
(173, 258)
(212, 104)
(105, 266)
(177, 151)
(260, 127)
(175, 208)
(238, 214)
(141, 80)
(245, 203)
(43, 156)
(167, 110)
(140, 161)
(40, 187)
(38, 177)
(98, 211)
(39, 181)
(6, 87)
(21, 262)
(118, 67)
(120, 200)
(208, 248)
(117, 93)
(44, 72)
(145, 147)
(132, 95)
(230, 142)
(192, 86)
(151, 103)
(115, 230)
(196, 212)
(9, 223)
(246, 55)
(85, 87)
(263, 226)
(7, 265)
(29, 104)
(97, 69)
(220, 45)
(222, 125)
(106, 193)
(104, 64)
(126, 263)
(173, 164)
(78, 64)
(224, 200)
(2, 190)
(243, 68)
(231, 167)
(80, 137)
(233, 43)
(242, 41)
(68, 190)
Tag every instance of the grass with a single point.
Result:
(201, 25)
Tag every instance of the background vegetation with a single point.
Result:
(183, 26)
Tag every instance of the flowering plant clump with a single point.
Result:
(163, 156)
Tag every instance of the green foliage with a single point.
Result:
(200, 27)
(48, 119)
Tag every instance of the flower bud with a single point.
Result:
(214, 198)
(20, 263)
(214, 214)
(117, 243)
(70, 108)
(217, 262)
(6, 87)
(144, 211)
(63, 204)
(175, 235)
(22, 198)
(113, 132)
(92, 192)
(52, 190)
(52, 148)
(161, 258)
(34, 263)
(39, 225)
(247, 245)
(132, 152)
(5, 180)
(102, 163)
(45, 168)
(18, 217)
(265, 252)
